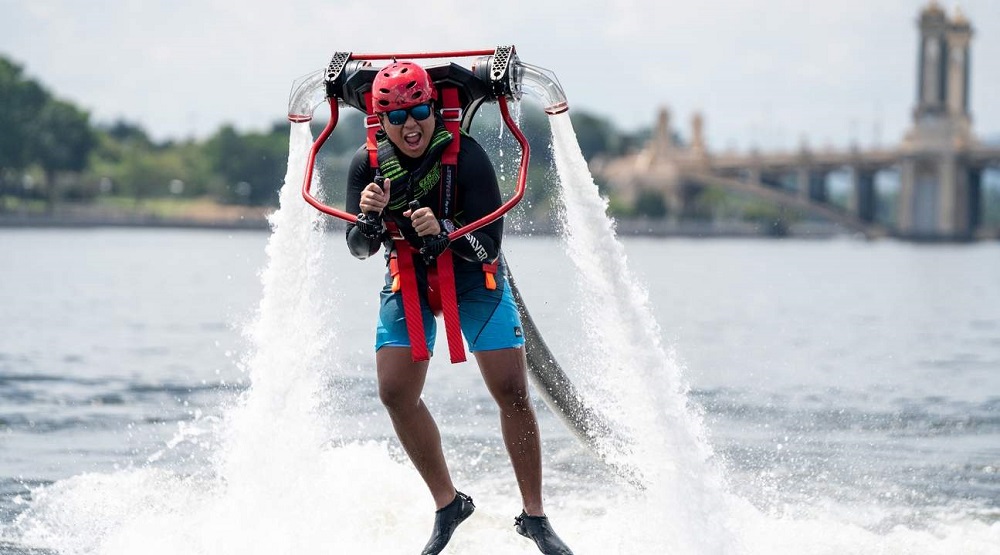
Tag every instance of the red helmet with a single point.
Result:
(401, 85)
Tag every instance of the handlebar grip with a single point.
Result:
(374, 216)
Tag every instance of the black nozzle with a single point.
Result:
(497, 70)
(340, 70)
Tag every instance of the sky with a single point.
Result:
(768, 74)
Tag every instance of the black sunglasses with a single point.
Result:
(420, 112)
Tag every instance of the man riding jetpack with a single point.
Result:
(416, 181)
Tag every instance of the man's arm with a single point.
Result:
(358, 177)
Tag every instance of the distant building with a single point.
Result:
(940, 162)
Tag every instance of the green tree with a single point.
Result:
(141, 169)
(128, 133)
(650, 204)
(21, 100)
(37, 129)
(595, 135)
(60, 141)
(118, 159)
(252, 166)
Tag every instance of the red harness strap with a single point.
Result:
(449, 305)
(441, 294)
(372, 126)
(411, 301)
(451, 113)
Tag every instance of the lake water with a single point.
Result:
(850, 390)
(209, 392)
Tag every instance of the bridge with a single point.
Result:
(940, 163)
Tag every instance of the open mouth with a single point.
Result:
(412, 139)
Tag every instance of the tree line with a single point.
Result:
(51, 152)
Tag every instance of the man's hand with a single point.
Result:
(424, 221)
(374, 199)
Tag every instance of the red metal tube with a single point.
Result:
(423, 55)
(311, 163)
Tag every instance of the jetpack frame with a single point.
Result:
(494, 76)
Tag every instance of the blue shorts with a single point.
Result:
(489, 318)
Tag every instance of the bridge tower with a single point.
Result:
(939, 190)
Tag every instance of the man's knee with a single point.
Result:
(511, 391)
(400, 380)
(397, 397)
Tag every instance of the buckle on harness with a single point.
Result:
(451, 114)
(371, 121)
(394, 272)
(490, 271)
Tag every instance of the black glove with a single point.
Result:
(370, 225)
(434, 245)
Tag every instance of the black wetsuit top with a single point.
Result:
(477, 194)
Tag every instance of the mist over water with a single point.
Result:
(297, 462)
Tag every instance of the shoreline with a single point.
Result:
(194, 215)
(258, 222)
(211, 216)
(61, 221)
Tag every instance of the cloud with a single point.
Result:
(760, 70)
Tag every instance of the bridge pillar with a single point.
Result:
(975, 180)
(863, 200)
(936, 197)
(817, 186)
(811, 184)
(953, 216)
(904, 210)
(802, 181)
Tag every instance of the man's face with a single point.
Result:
(412, 136)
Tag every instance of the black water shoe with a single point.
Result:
(538, 529)
(446, 519)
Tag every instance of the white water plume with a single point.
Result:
(289, 337)
(628, 364)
